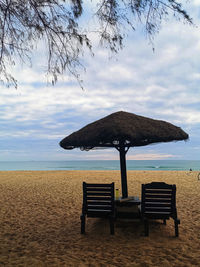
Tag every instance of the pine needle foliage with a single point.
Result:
(23, 23)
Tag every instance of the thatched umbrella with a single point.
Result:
(123, 130)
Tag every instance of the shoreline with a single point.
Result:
(40, 222)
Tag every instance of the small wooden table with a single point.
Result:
(128, 209)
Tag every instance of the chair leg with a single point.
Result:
(112, 230)
(146, 227)
(82, 224)
(176, 223)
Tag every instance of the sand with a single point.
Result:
(40, 222)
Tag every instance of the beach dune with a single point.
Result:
(40, 222)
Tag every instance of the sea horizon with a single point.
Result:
(165, 165)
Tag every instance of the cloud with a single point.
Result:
(161, 85)
(196, 2)
(147, 156)
(113, 154)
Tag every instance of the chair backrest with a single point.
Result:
(158, 200)
(98, 199)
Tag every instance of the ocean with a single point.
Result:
(165, 165)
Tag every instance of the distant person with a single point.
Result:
(190, 169)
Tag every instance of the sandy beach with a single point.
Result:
(40, 222)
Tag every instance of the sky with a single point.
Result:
(163, 85)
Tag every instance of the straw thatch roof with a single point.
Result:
(123, 129)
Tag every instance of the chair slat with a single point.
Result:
(98, 213)
(157, 213)
(97, 189)
(157, 209)
(99, 202)
(152, 196)
(98, 194)
(157, 185)
(157, 204)
(98, 198)
(99, 185)
(163, 200)
(97, 207)
(158, 191)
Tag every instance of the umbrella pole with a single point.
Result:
(122, 153)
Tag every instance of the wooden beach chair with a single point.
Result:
(159, 202)
(98, 201)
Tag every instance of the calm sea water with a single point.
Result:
(167, 165)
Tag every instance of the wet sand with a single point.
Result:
(40, 222)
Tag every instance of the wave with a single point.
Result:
(160, 167)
